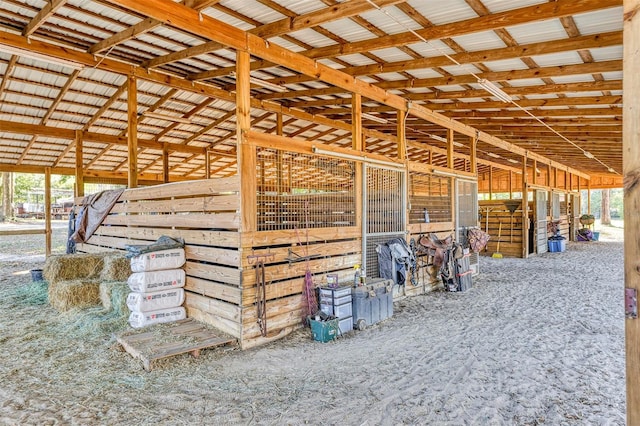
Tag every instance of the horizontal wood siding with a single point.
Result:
(511, 233)
(330, 250)
(205, 214)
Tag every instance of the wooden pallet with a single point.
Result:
(166, 340)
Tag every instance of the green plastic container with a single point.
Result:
(324, 331)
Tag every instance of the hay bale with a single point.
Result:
(113, 295)
(69, 267)
(66, 295)
(116, 267)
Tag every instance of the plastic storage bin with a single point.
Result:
(372, 303)
(556, 246)
(337, 302)
(324, 331)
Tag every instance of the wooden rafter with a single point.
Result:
(48, 10)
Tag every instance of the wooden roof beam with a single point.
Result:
(47, 11)
(7, 73)
(278, 28)
(525, 15)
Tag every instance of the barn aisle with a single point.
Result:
(537, 341)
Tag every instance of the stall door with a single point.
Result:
(383, 213)
(574, 216)
(467, 215)
(541, 222)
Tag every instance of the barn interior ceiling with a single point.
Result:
(543, 76)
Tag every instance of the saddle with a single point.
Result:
(435, 247)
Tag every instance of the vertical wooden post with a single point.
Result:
(207, 164)
(79, 190)
(450, 157)
(402, 136)
(47, 210)
(534, 179)
(165, 164)
(490, 182)
(555, 177)
(132, 130)
(474, 154)
(510, 184)
(357, 144)
(246, 153)
(589, 195)
(631, 166)
(279, 124)
(525, 205)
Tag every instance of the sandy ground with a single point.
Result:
(537, 341)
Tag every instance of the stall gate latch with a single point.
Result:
(630, 303)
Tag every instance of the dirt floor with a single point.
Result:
(537, 341)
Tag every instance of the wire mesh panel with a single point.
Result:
(384, 212)
(541, 221)
(385, 207)
(303, 191)
(430, 198)
(467, 215)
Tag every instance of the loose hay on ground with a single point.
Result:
(72, 267)
(116, 267)
(113, 295)
(82, 293)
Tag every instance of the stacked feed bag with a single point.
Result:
(156, 287)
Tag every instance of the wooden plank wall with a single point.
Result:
(330, 250)
(511, 234)
(205, 214)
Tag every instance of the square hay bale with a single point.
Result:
(116, 267)
(113, 295)
(70, 294)
(69, 267)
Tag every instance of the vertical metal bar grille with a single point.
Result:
(467, 215)
(432, 195)
(384, 212)
(303, 190)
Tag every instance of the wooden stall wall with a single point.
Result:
(432, 203)
(502, 225)
(205, 214)
(307, 220)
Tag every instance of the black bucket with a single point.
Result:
(36, 275)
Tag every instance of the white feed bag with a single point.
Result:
(143, 319)
(158, 260)
(156, 280)
(152, 301)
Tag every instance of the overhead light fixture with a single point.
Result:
(494, 90)
(268, 85)
(611, 170)
(511, 160)
(165, 117)
(374, 118)
(40, 57)
(451, 174)
(588, 154)
(491, 154)
(354, 157)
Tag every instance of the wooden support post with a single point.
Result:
(549, 175)
(566, 180)
(207, 164)
(555, 177)
(631, 167)
(279, 124)
(246, 152)
(47, 210)
(402, 135)
(132, 130)
(510, 184)
(357, 144)
(534, 179)
(525, 205)
(589, 197)
(79, 190)
(473, 154)
(490, 182)
(165, 164)
(450, 155)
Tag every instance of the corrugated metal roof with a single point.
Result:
(503, 5)
(348, 30)
(537, 32)
(607, 53)
(598, 22)
(439, 12)
(555, 59)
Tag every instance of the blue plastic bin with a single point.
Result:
(556, 246)
(324, 331)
